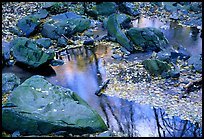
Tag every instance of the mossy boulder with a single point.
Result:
(148, 38)
(27, 52)
(114, 30)
(37, 107)
(155, 66)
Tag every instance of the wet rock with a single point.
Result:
(196, 61)
(65, 16)
(148, 38)
(159, 4)
(41, 14)
(54, 30)
(182, 53)
(89, 33)
(61, 42)
(174, 73)
(174, 16)
(196, 6)
(117, 57)
(16, 31)
(105, 134)
(124, 20)
(129, 8)
(44, 42)
(114, 30)
(170, 6)
(106, 8)
(155, 66)
(9, 82)
(48, 108)
(89, 41)
(50, 31)
(16, 134)
(28, 24)
(27, 52)
(164, 56)
(6, 50)
(54, 7)
(57, 62)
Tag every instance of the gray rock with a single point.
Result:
(57, 62)
(44, 42)
(117, 57)
(128, 8)
(27, 52)
(54, 7)
(196, 61)
(37, 107)
(16, 134)
(65, 16)
(124, 20)
(41, 14)
(164, 56)
(9, 82)
(182, 53)
(89, 41)
(16, 31)
(6, 49)
(196, 6)
(28, 24)
(170, 6)
(106, 8)
(114, 30)
(55, 29)
(61, 42)
(148, 38)
(155, 66)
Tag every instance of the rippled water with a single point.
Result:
(84, 71)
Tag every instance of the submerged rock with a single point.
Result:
(148, 38)
(27, 52)
(28, 24)
(9, 82)
(37, 107)
(114, 30)
(155, 66)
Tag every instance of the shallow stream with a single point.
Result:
(84, 71)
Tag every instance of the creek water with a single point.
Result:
(84, 71)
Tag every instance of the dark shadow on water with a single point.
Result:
(24, 73)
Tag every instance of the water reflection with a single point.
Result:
(129, 118)
(188, 37)
(136, 120)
